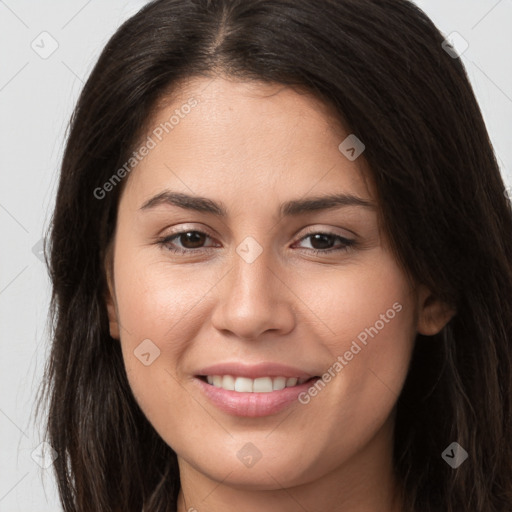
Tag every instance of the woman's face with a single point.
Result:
(280, 273)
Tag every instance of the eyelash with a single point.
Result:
(164, 242)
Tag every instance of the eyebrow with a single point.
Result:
(290, 208)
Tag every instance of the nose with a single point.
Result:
(254, 299)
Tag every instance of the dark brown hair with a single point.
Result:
(381, 67)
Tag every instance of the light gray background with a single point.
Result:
(36, 99)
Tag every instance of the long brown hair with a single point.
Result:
(381, 67)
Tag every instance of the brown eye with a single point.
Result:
(326, 242)
(183, 242)
(322, 241)
(192, 239)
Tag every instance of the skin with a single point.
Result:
(253, 146)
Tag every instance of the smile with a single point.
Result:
(252, 398)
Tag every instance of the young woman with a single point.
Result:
(281, 258)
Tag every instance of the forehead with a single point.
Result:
(221, 135)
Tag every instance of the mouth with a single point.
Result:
(253, 398)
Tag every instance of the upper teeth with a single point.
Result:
(259, 385)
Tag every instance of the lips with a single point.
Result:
(253, 391)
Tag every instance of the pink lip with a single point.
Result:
(254, 371)
(251, 405)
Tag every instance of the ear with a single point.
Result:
(109, 296)
(433, 314)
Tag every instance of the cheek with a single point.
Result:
(368, 328)
(155, 299)
(360, 302)
(158, 306)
